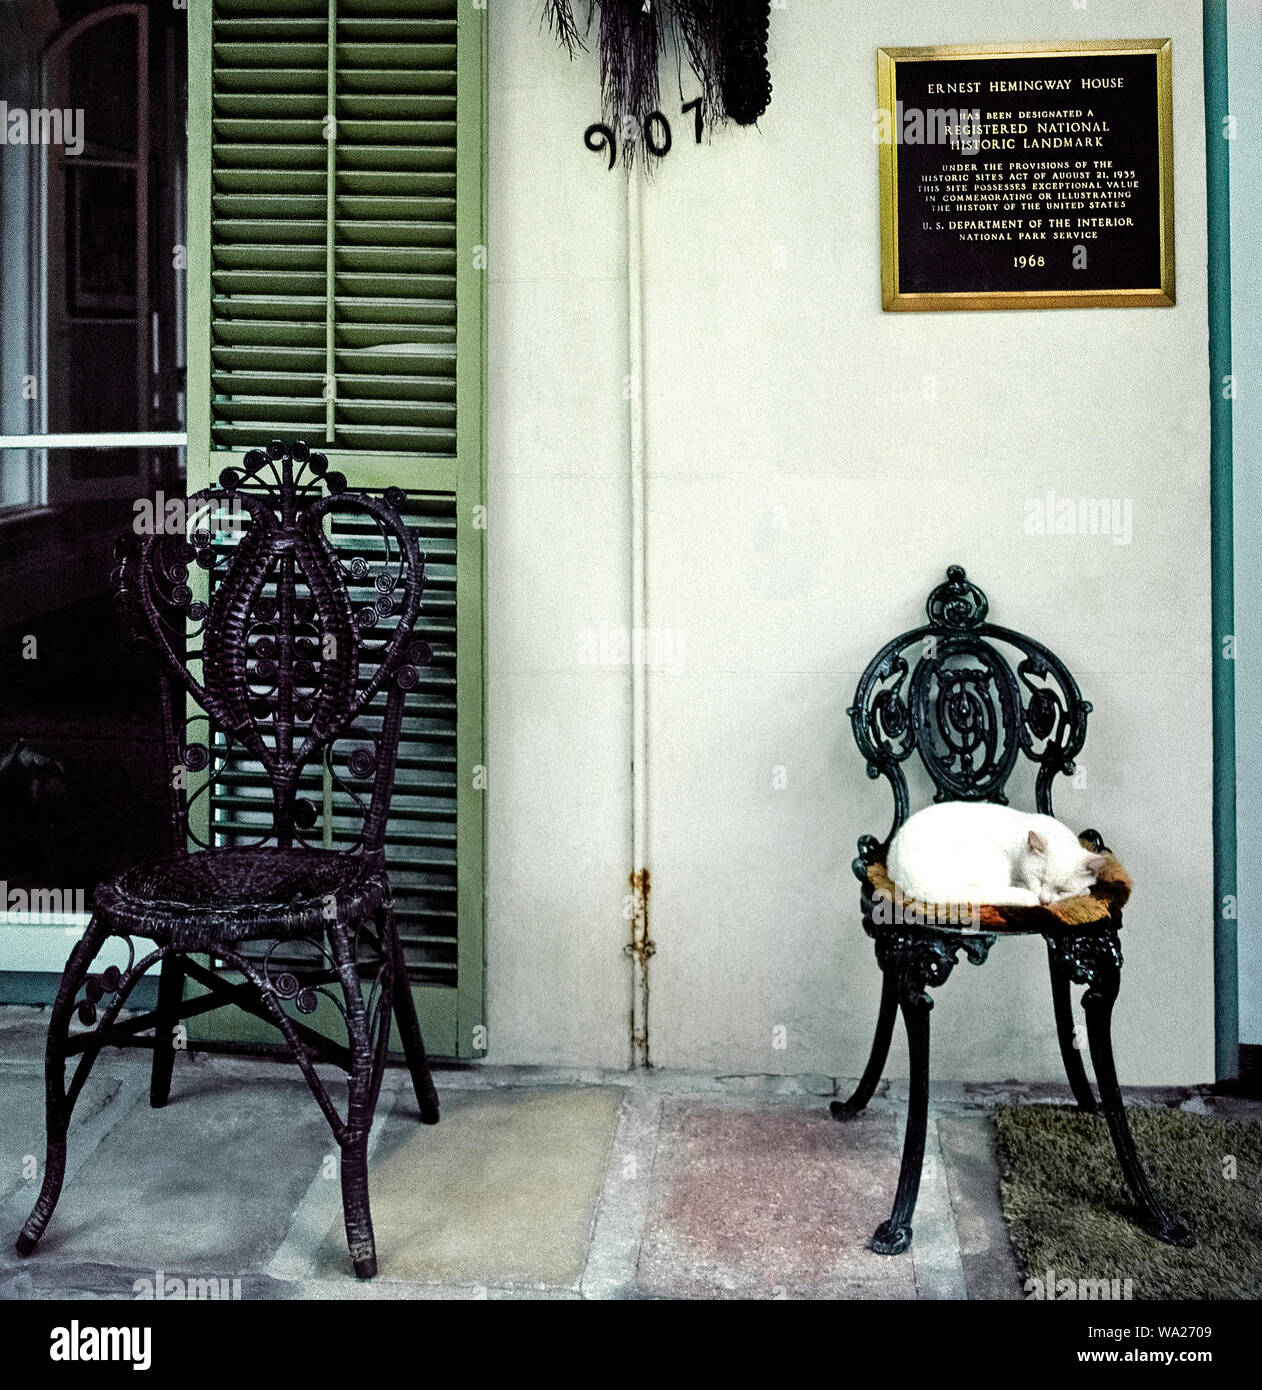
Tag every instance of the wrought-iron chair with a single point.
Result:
(948, 693)
(305, 659)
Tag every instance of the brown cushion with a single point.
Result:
(1109, 893)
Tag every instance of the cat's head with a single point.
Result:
(1056, 871)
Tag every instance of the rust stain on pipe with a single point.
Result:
(640, 948)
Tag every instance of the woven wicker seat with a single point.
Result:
(285, 664)
(223, 895)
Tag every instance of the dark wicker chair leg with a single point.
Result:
(355, 1208)
(410, 1028)
(58, 1104)
(892, 1237)
(863, 1092)
(170, 996)
(1070, 1055)
(361, 1094)
(1103, 967)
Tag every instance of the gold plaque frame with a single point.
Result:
(892, 298)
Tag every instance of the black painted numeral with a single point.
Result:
(599, 137)
(655, 146)
(698, 114)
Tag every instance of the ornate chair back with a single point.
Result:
(968, 698)
(297, 657)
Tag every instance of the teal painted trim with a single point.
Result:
(1217, 175)
(40, 987)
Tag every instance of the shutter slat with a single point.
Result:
(261, 256)
(269, 282)
(403, 106)
(407, 337)
(388, 232)
(438, 58)
(390, 157)
(412, 285)
(261, 141)
(395, 311)
(264, 307)
(395, 133)
(423, 260)
(269, 334)
(269, 206)
(265, 54)
(273, 81)
(261, 106)
(404, 209)
(385, 82)
(227, 230)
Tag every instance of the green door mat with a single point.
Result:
(1069, 1211)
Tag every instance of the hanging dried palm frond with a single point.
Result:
(725, 42)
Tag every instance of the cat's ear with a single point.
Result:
(1093, 863)
(1035, 843)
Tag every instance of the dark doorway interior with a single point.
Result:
(91, 328)
(81, 780)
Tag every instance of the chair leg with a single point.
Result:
(1070, 1054)
(170, 997)
(355, 1209)
(1096, 961)
(892, 1237)
(917, 960)
(844, 1110)
(359, 1109)
(409, 1026)
(58, 1103)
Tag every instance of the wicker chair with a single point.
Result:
(951, 693)
(298, 661)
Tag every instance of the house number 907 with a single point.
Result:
(599, 138)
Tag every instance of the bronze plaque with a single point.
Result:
(1036, 176)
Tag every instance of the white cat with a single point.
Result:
(976, 852)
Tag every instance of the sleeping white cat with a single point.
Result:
(976, 852)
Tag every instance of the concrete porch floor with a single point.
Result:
(536, 1184)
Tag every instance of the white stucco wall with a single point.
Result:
(814, 465)
(558, 754)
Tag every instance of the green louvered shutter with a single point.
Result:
(336, 215)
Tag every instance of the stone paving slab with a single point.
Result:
(968, 1151)
(502, 1193)
(775, 1200)
(207, 1185)
(22, 1123)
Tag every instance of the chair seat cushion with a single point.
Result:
(1108, 895)
(222, 895)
